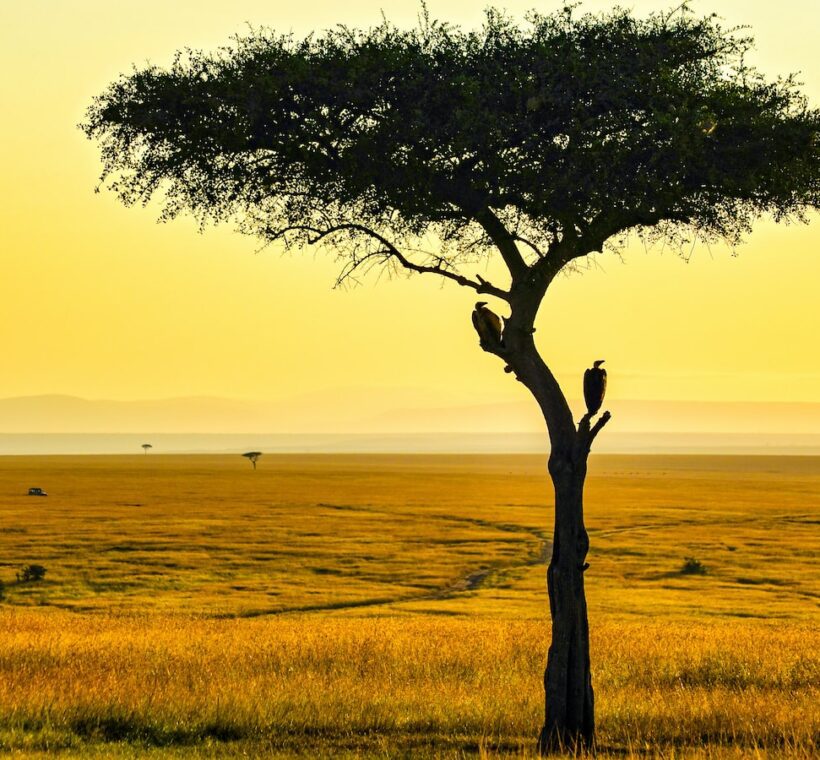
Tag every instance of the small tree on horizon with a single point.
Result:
(539, 144)
(146, 447)
(253, 457)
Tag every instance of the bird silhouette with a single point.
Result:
(488, 326)
(594, 387)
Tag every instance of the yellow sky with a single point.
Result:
(99, 301)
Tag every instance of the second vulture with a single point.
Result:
(594, 386)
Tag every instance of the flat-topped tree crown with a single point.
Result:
(541, 141)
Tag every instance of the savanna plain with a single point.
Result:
(395, 606)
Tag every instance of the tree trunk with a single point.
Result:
(569, 721)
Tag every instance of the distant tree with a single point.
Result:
(146, 447)
(253, 457)
(31, 573)
(540, 144)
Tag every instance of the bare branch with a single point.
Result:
(599, 425)
(356, 263)
(587, 434)
(389, 251)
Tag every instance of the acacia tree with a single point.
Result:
(252, 457)
(540, 143)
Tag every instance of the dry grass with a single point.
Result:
(428, 636)
(440, 684)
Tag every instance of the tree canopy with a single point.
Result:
(540, 141)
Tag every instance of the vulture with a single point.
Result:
(594, 386)
(488, 326)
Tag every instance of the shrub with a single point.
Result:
(692, 566)
(31, 573)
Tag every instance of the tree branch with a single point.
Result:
(529, 243)
(599, 425)
(587, 434)
(389, 251)
(504, 241)
(607, 225)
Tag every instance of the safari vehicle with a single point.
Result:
(36, 492)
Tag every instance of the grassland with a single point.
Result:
(395, 606)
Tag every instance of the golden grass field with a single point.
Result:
(394, 606)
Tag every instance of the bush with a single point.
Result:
(31, 573)
(692, 566)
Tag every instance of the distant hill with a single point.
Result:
(629, 416)
(385, 412)
(70, 414)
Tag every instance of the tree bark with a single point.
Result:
(569, 708)
(569, 720)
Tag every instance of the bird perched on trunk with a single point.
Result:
(594, 386)
(488, 326)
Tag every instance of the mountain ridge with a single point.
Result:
(382, 411)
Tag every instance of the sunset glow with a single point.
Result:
(99, 301)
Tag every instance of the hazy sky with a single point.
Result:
(100, 301)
